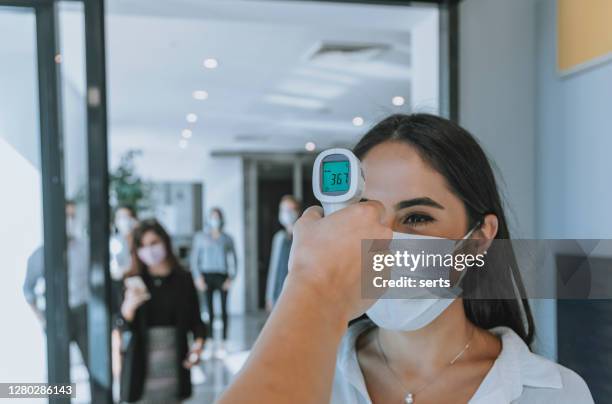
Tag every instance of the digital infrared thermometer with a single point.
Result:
(337, 179)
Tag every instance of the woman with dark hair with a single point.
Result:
(159, 311)
(425, 177)
(214, 267)
(470, 349)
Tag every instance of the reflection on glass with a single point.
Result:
(22, 290)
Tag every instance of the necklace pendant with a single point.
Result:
(409, 399)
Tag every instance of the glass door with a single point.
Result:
(22, 290)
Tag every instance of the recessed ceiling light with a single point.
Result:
(357, 121)
(398, 100)
(200, 95)
(183, 143)
(310, 146)
(210, 63)
(186, 133)
(191, 117)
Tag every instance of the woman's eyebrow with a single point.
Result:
(413, 202)
(418, 201)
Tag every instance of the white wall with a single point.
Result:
(498, 104)
(497, 96)
(424, 50)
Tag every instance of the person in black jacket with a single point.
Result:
(159, 310)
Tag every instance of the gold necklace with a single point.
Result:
(410, 395)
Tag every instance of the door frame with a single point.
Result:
(58, 361)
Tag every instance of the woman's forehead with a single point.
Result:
(395, 171)
(150, 235)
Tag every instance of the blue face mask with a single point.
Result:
(408, 314)
(215, 223)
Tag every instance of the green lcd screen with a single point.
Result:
(336, 176)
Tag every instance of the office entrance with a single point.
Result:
(54, 148)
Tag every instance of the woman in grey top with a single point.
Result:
(214, 264)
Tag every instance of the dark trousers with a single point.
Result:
(214, 281)
(78, 330)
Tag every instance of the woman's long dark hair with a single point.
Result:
(455, 153)
(139, 267)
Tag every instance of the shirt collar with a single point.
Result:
(347, 356)
(515, 367)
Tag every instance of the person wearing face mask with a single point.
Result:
(288, 212)
(214, 267)
(78, 284)
(124, 222)
(426, 178)
(159, 312)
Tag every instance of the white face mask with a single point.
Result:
(413, 314)
(152, 255)
(125, 224)
(287, 217)
(214, 222)
(72, 229)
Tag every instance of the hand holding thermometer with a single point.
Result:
(337, 180)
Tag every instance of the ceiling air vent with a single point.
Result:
(348, 50)
(250, 138)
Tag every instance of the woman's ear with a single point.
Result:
(489, 226)
(487, 232)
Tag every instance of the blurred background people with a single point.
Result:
(214, 266)
(159, 311)
(125, 221)
(120, 250)
(78, 287)
(289, 210)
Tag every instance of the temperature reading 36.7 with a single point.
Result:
(336, 176)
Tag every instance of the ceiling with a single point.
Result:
(288, 72)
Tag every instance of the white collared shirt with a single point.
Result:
(518, 376)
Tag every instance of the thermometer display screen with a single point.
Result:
(336, 176)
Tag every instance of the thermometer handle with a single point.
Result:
(329, 208)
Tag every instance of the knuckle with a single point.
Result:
(368, 210)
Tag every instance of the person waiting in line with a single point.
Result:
(159, 311)
(125, 220)
(78, 287)
(289, 210)
(214, 267)
(424, 176)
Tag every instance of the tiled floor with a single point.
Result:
(243, 331)
(214, 372)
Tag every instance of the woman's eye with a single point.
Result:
(417, 219)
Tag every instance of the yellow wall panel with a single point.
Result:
(584, 33)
